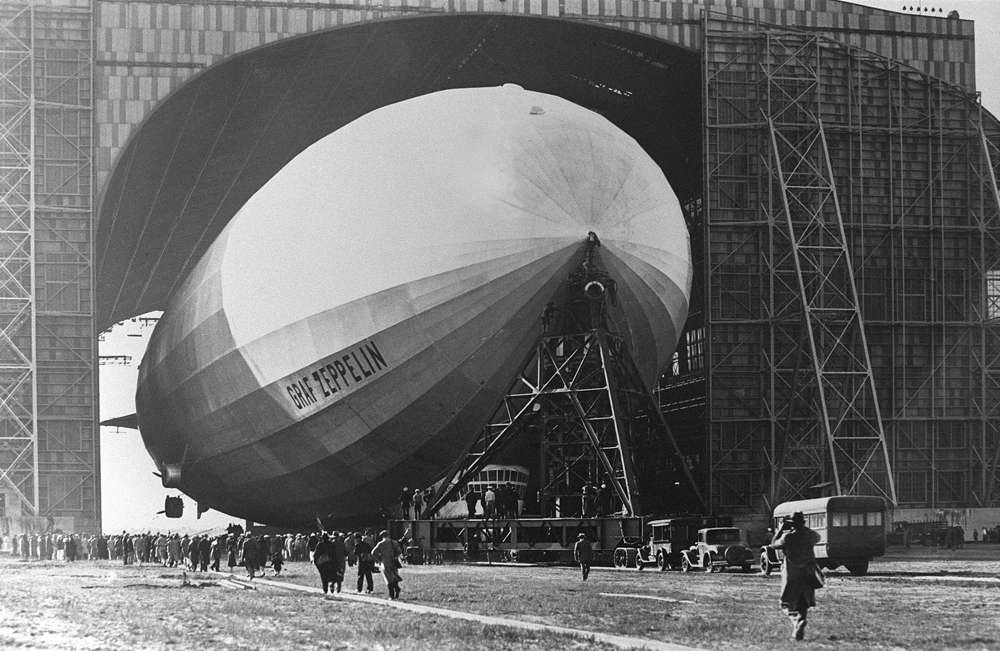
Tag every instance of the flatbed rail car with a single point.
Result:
(852, 531)
(530, 540)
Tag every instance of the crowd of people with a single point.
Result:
(331, 552)
(498, 502)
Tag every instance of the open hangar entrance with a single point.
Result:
(758, 133)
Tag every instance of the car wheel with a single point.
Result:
(707, 562)
(685, 564)
(765, 565)
(621, 557)
(661, 562)
(638, 561)
(858, 569)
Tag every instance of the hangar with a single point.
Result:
(830, 156)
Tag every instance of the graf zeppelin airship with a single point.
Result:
(365, 311)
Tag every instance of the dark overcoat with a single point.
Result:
(798, 567)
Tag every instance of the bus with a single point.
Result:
(851, 531)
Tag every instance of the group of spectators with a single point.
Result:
(500, 502)
(331, 552)
(989, 535)
(413, 504)
(334, 552)
(55, 546)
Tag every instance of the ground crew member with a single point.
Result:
(363, 552)
(471, 499)
(583, 552)
(489, 503)
(799, 572)
(418, 503)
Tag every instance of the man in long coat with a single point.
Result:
(387, 553)
(798, 572)
(323, 558)
(583, 552)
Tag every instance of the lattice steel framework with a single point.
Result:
(18, 404)
(905, 161)
(49, 449)
(850, 421)
(581, 397)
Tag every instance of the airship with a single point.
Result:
(363, 314)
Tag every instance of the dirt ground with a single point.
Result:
(921, 598)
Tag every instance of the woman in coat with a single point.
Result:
(387, 553)
(798, 572)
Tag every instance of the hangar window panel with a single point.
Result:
(911, 486)
(62, 296)
(951, 435)
(734, 490)
(874, 286)
(993, 294)
(695, 349)
(912, 436)
(915, 299)
(954, 295)
(951, 486)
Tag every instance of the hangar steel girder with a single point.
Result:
(850, 419)
(18, 389)
(770, 189)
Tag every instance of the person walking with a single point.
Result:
(204, 552)
(363, 554)
(799, 573)
(387, 553)
(323, 560)
(250, 553)
(216, 551)
(232, 551)
(173, 550)
(339, 560)
(583, 552)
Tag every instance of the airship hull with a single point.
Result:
(316, 372)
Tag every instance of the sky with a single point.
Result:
(131, 494)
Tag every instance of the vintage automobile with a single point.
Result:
(716, 549)
(666, 539)
(851, 531)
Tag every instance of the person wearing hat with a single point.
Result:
(583, 552)
(363, 552)
(387, 553)
(799, 572)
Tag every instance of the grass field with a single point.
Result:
(920, 600)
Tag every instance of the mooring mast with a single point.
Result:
(581, 395)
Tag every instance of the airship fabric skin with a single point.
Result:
(364, 313)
